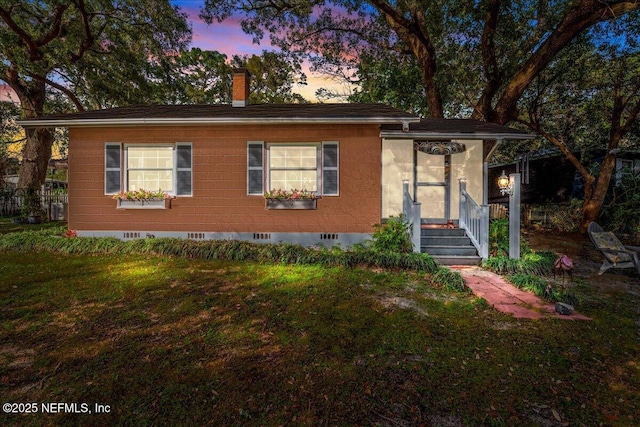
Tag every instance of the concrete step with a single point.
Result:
(449, 246)
(457, 260)
(451, 232)
(445, 241)
(450, 250)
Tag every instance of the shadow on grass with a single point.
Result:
(185, 342)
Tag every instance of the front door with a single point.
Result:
(432, 186)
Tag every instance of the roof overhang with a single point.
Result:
(455, 135)
(182, 121)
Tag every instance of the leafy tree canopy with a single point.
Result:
(486, 53)
(83, 49)
(273, 76)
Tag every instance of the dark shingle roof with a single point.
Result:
(263, 113)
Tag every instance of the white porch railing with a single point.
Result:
(411, 211)
(475, 220)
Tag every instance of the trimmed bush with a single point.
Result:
(392, 236)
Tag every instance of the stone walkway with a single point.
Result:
(506, 298)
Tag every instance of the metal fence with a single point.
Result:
(54, 203)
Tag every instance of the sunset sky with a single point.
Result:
(227, 37)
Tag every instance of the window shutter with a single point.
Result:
(112, 168)
(330, 168)
(255, 168)
(184, 170)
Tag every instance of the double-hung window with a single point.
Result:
(150, 168)
(293, 167)
(166, 168)
(302, 166)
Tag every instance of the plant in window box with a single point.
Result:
(141, 199)
(293, 199)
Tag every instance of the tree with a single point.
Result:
(202, 77)
(396, 81)
(205, 77)
(589, 100)
(273, 76)
(510, 43)
(10, 133)
(482, 58)
(48, 44)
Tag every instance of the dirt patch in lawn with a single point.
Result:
(587, 260)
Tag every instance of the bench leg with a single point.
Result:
(604, 267)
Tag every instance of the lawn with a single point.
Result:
(172, 341)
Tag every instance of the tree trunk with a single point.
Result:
(39, 141)
(593, 205)
(35, 158)
(411, 33)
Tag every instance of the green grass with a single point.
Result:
(171, 341)
(7, 225)
(51, 239)
(177, 341)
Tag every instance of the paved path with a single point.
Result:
(506, 298)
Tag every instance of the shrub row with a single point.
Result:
(540, 263)
(226, 250)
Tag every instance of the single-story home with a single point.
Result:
(216, 162)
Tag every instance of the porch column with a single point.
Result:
(514, 216)
(485, 183)
(412, 214)
(415, 174)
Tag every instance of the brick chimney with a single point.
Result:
(240, 97)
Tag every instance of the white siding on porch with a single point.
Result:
(466, 165)
(397, 165)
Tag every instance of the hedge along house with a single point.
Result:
(217, 161)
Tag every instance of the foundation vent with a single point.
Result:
(195, 236)
(261, 236)
(329, 236)
(131, 235)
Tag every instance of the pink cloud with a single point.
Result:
(228, 38)
(225, 37)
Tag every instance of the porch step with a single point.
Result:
(445, 240)
(449, 246)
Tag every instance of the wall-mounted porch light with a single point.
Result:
(505, 184)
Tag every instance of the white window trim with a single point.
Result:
(174, 169)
